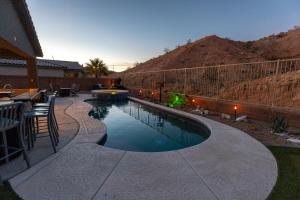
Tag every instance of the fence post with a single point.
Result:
(218, 82)
(184, 87)
(274, 81)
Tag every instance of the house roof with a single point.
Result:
(70, 65)
(26, 20)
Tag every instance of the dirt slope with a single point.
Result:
(285, 92)
(213, 50)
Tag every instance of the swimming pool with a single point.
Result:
(135, 127)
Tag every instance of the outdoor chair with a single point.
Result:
(8, 87)
(46, 102)
(44, 96)
(39, 121)
(74, 89)
(50, 86)
(11, 117)
(6, 92)
(46, 105)
(99, 87)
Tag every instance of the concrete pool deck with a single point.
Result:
(228, 165)
(68, 128)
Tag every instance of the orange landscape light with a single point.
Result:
(235, 109)
(193, 100)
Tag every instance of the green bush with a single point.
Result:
(279, 125)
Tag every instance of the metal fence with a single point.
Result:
(272, 83)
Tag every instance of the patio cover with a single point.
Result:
(18, 38)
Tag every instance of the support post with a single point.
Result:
(32, 73)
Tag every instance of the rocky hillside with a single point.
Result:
(213, 50)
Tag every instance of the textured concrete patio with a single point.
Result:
(228, 165)
(68, 128)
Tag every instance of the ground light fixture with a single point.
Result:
(152, 95)
(235, 108)
(176, 100)
(161, 85)
(193, 101)
(140, 92)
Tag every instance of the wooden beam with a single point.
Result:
(32, 73)
(8, 50)
(11, 50)
(6, 54)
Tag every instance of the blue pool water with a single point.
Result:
(135, 127)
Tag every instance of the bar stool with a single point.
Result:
(29, 131)
(53, 118)
(11, 116)
(46, 105)
(34, 129)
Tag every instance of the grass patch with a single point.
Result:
(288, 183)
(7, 193)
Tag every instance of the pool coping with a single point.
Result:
(240, 167)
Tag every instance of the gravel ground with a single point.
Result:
(257, 129)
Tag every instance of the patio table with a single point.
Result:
(64, 92)
(27, 98)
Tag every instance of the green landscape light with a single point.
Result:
(177, 100)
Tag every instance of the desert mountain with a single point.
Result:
(213, 50)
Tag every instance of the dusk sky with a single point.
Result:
(129, 31)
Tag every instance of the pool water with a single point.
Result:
(135, 127)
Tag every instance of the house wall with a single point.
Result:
(50, 72)
(11, 28)
(17, 71)
(22, 71)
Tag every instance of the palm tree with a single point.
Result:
(97, 67)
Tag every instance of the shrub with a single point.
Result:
(279, 125)
(166, 50)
